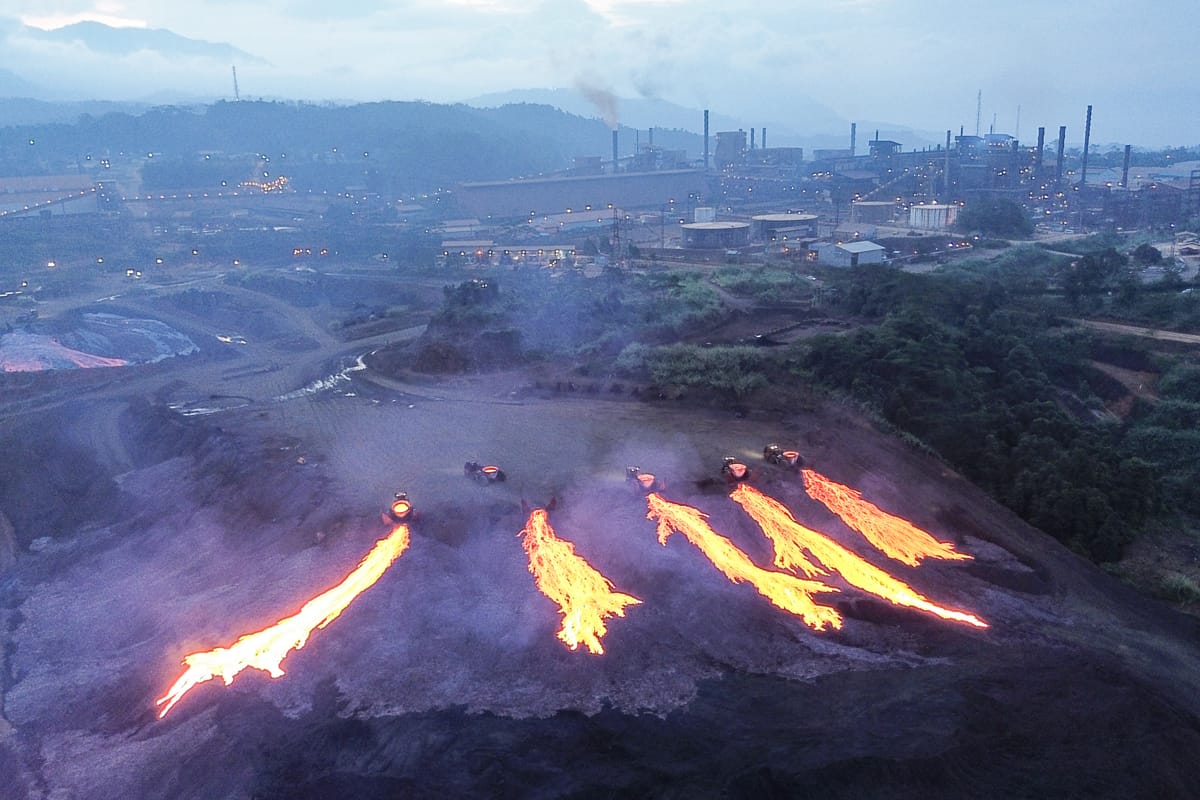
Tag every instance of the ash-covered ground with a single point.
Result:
(134, 534)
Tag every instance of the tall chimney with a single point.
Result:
(1062, 146)
(764, 139)
(1087, 140)
(706, 139)
(614, 151)
(1125, 169)
(853, 136)
(651, 137)
(1037, 157)
(947, 198)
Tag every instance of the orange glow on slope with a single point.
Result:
(265, 650)
(584, 596)
(784, 591)
(896, 537)
(791, 540)
(29, 352)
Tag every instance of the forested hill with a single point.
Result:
(428, 143)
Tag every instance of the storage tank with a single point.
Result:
(716, 235)
(765, 225)
(932, 216)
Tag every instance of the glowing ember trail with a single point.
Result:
(791, 540)
(584, 596)
(896, 537)
(784, 591)
(31, 352)
(266, 649)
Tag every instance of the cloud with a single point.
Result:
(869, 59)
(48, 16)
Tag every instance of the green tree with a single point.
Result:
(1147, 254)
(994, 218)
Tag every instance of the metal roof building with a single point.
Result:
(849, 254)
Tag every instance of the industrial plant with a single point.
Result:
(413, 450)
(731, 195)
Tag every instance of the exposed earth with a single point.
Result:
(157, 509)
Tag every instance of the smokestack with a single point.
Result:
(706, 139)
(651, 133)
(947, 181)
(614, 151)
(1087, 140)
(764, 139)
(1062, 146)
(853, 136)
(1125, 169)
(1037, 163)
(752, 138)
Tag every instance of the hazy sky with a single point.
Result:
(917, 63)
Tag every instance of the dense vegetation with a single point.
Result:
(993, 393)
(994, 218)
(394, 148)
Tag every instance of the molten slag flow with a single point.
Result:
(896, 537)
(265, 650)
(584, 596)
(784, 591)
(792, 540)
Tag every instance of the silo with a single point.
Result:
(932, 216)
(765, 225)
(716, 235)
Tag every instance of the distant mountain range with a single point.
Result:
(13, 85)
(802, 121)
(810, 125)
(101, 38)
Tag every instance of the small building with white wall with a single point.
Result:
(849, 254)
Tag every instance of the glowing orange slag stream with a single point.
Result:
(584, 596)
(265, 650)
(896, 537)
(792, 540)
(784, 591)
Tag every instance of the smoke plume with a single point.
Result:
(604, 101)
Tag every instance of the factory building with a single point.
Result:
(849, 254)
(716, 235)
(731, 148)
(48, 195)
(516, 199)
(766, 226)
(932, 217)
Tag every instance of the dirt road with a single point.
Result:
(1133, 330)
